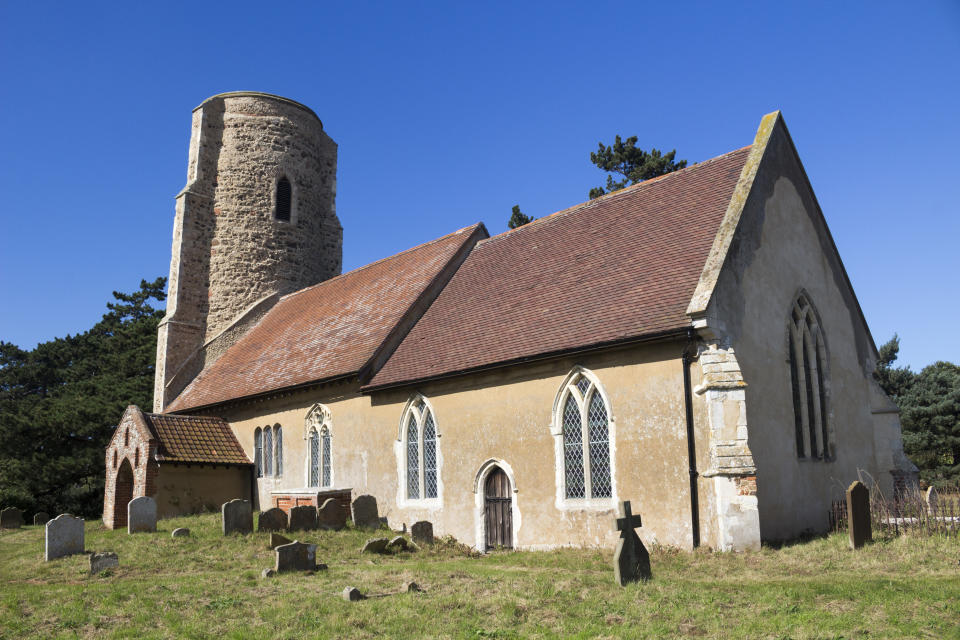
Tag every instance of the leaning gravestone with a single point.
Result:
(422, 532)
(296, 556)
(237, 516)
(375, 545)
(142, 515)
(930, 497)
(303, 518)
(11, 518)
(858, 514)
(631, 562)
(63, 536)
(331, 515)
(40, 518)
(180, 532)
(363, 510)
(272, 520)
(103, 561)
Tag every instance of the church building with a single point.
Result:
(691, 343)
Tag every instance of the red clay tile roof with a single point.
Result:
(329, 330)
(618, 267)
(194, 439)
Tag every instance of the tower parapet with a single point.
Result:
(257, 218)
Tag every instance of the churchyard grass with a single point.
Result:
(208, 586)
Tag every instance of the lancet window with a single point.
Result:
(583, 426)
(319, 447)
(419, 445)
(810, 383)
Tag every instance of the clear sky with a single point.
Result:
(450, 113)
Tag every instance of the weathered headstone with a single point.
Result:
(180, 532)
(41, 518)
(296, 556)
(631, 562)
(276, 540)
(375, 545)
(11, 518)
(331, 515)
(363, 510)
(412, 587)
(932, 500)
(272, 520)
(858, 514)
(352, 594)
(237, 516)
(63, 536)
(398, 543)
(142, 515)
(422, 532)
(103, 561)
(303, 518)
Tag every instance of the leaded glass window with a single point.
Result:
(268, 451)
(809, 383)
(314, 458)
(258, 451)
(278, 450)
(585, 476)
(420, 449)
(325, 449)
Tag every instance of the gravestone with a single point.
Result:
(180, 532)
(858, 514)
(296, 556)
(63, 536)
(422, 532)
(398, 543)
(41, 518)
(631, 562)
(272, 520)
(236, 516)
(103, 561)
(363, 510)
(412, 587)
(303, 518)
(331, 515)
(375, 545)
(142, 515)
(276, 540)
(11, 518)
(352, 594)
(932, 500)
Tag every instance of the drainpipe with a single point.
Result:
(689, 356)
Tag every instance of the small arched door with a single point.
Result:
(122, 494)
(498, 510)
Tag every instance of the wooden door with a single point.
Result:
(499, 511)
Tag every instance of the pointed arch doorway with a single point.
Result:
(123, 494)
(498, 510)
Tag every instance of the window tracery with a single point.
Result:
(583, 429)
(810, 383)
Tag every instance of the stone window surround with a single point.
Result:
(400, 447)
(319, 419)
(284, 173)
(826, 451)
(562, 502)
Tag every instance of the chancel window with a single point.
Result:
(319, 447)
(258, 451)
(284, 199)
(583, 427)
(809, 381)
(277, 451)
(419, 444)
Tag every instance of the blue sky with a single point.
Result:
(446, 114)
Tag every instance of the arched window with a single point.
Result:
(258, 451)
(319, 447)
(809, 381)
(136, 458)
(126, 436)
(284, 199)
(114, 458)
(268, 451)
(419, 444)
(278, 450)
(582, 427)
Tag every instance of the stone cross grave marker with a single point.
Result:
(331, 515)
(63, 536)
(364, 512)
(237, 515)
(631, 562)
(296, 556)
(422, 532)
(142, 515)
(11, 518)
(858, 514)
(272, 520)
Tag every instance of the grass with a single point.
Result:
(208, 586)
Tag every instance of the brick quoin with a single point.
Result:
(747, 486)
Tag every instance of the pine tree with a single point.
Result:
(634, 165)
(518, 219)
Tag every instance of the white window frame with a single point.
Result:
(400, 448)
(568, 387)
(318, 419)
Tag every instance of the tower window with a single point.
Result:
(283, 199)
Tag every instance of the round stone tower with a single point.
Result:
(256, 219)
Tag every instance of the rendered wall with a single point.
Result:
(184, 489)
(506, 416)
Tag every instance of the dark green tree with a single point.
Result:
(633, 165)
(930, 415)
(893, 380)
(518, 219)
(60, 402)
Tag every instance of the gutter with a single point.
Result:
(689, 356)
